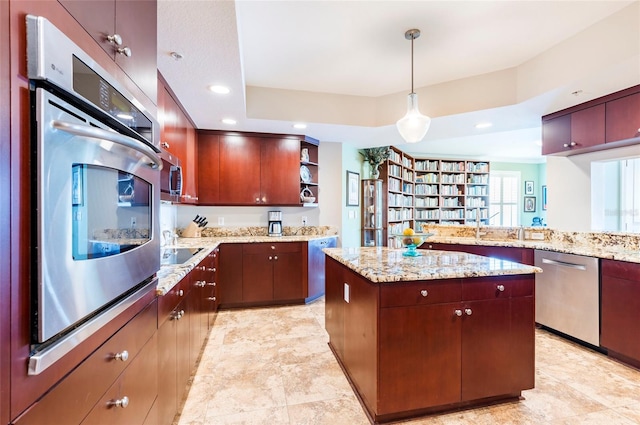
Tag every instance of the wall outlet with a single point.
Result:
(220, 221)
(304, 220)
(538, 236)
(134, 222)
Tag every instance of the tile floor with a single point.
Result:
(273, 366)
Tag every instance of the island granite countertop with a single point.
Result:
(381, 264)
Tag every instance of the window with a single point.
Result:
(615, 196)
(504, 188)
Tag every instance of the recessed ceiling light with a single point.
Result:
(175, 55)
(219, 89)
(484, 125)
(229, 121)
(300, 126)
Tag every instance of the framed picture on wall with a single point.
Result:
(529, 204)
(544, 197)
(528, 187)
(353, 189)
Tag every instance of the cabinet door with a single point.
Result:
(257, 277)
(230, 283)
(280, 172)
(556, 133)
(621, 308)
(334, 305)
(419, 351)
(239, 170)
(486, 354)
(183, 359)
(97, 18)
(287, 276)
(587, 127)
(208, 168)
(136, 22)
(622, 118)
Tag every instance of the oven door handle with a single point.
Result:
(111, 136)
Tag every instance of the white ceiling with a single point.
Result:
(357, 48)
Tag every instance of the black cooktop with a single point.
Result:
(177, 255)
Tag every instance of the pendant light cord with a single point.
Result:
(412, 38)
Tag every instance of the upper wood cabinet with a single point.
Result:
(623, 118)
(579, 130)
(248, 169)
(135, 23)
(178, 136)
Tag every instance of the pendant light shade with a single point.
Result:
(413, 126)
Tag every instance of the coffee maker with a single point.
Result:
(275, 223)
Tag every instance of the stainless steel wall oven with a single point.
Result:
(96, 191)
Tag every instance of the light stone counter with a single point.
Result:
(381, 264)
(612, 246)
(170, 275)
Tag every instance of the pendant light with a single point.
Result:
(413, 126)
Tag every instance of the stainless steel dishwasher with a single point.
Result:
(568, 294)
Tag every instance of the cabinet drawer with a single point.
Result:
(420, 293)
(486, 288)
(73, 398)
(136, 389)
(276, 247)
(168, 302)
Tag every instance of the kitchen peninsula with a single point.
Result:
(425, 334)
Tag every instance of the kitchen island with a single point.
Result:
(420, 335)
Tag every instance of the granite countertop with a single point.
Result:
(170, 275)
(381, 264)
(607, 245)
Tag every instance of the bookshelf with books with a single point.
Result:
(398, 175)
(433, 191)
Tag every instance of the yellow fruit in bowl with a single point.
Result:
(408, 232)
(417, 240)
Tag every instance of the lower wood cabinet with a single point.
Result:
(124, 366)
(417, 347)
(620, 310)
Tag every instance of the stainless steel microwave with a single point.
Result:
(170, 178)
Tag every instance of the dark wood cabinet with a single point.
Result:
(135, 23)
(208, 168)
(230, 280)
(576, 131)
(620, 309)
(459, 340)
(250, 168)
(272, 272)
(178, 136)
(518, 255)
(622, 118)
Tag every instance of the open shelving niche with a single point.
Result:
(311, 146)
(432, 191)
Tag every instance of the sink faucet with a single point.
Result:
(478, 223)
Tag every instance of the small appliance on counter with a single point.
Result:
(275, 223)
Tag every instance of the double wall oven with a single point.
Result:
(96, 173)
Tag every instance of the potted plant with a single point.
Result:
(375, 157)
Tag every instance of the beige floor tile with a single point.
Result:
(318, 379)
(339, 411)
(632, 412)
(608, 417)
(273, 416)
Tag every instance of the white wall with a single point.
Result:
(352, 161)
(569, 187)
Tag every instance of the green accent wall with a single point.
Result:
(528, 172)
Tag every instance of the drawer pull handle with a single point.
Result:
(123, 356)
(275, 257)
(123, 402)
(211, 269)
(424, 293)
(501, 288)
(458, 312)
(211, 298)
(180, 293)
(468, 311)
(270, 258)
(273, 247)
(211, 284)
